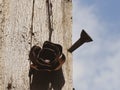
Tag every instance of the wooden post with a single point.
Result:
(16, 38)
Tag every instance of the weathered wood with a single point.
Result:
(16, 37)
(61, 10)
(2, 19)
(67, 26)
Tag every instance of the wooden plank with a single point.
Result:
(16, 44)
(67, 42)
(40, 24)
(1, 43)
(61, 10)
(15, 38)
(62, 34)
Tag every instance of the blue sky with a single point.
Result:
(96, 64)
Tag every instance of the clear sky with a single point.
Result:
(96, 64)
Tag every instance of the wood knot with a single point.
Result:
(46, 1)
(68, 0)
(9, 87)
(32, 34)
(0, 12)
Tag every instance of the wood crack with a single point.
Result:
(50, 17)
(32, 18)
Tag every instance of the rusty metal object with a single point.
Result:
(84, 37)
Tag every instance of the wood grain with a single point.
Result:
(16, 38)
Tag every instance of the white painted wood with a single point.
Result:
(16, 35)
(2, 19)
(15, 38)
